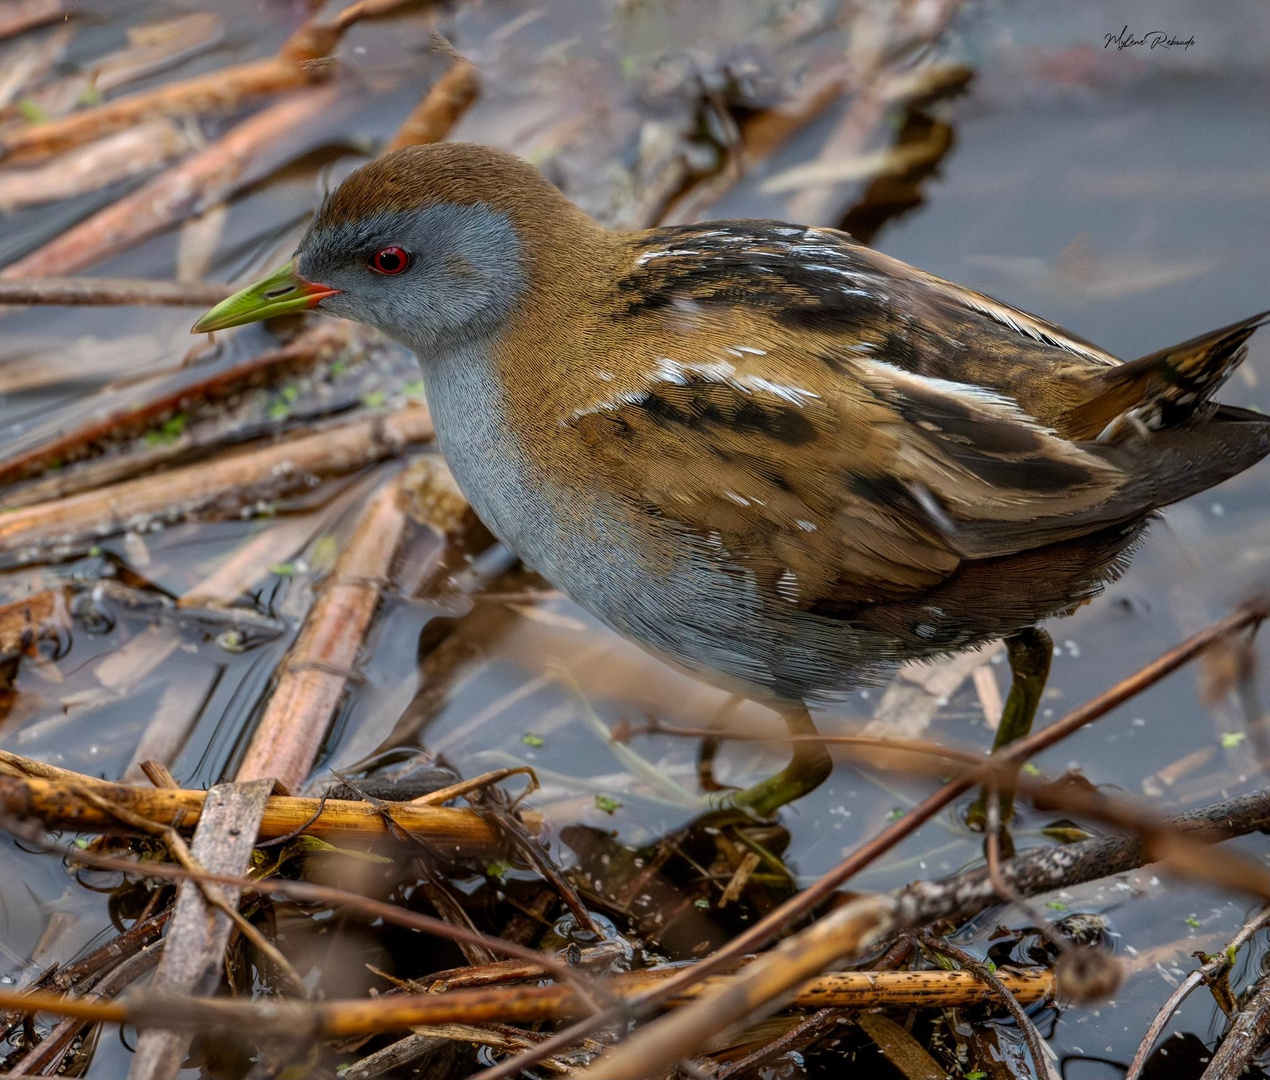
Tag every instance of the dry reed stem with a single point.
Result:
(214, 91)
(312, 678)
(228, 481)
(188, 188)
(440, 108)
(58, 804)
(512, 1004)
(17, 16)
(91, 290)
(308, 348)
(97, 164)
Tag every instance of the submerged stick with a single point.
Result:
(314, 674)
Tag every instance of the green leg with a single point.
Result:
(1029, 652)
(808, 768)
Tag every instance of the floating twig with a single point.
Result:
(17, 16)
(440, 108)
(95, 165)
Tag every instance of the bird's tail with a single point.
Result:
(1160, 390)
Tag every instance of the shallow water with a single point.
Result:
(1122, 194)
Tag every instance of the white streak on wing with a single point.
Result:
(825, 268)
(719, 371)
(795, 395)
(787, 586)
(831, 252)
(967, 391)
(1024, 326)
(927, 501)
(644, 257)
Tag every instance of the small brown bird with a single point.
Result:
(765, 452)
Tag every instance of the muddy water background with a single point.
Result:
(1122, 194)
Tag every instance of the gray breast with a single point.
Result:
(670, 597)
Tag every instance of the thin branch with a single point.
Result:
(1246, 1035)
(1212, 968)
(223, 483)
(511, 1004)
(862, 923)
(1041, 1055)
(88, 290)
(60, 804)
(1010, 757)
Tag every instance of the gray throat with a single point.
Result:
(469, 411)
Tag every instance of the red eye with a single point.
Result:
(389, 260)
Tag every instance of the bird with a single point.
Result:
(770, 455)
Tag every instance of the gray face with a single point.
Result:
(463, 277)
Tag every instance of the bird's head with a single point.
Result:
(430, 244)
